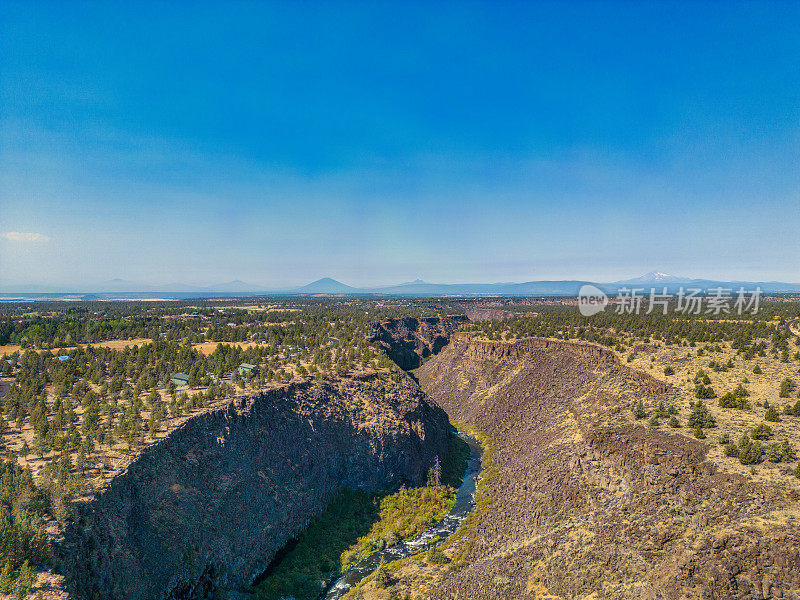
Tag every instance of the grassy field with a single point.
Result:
(208, 348)
(726, 369)
(112, 344)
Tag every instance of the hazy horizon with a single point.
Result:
(375, 144)
(238, 286)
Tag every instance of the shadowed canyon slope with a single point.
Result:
(410, 340)
(213, 502)
(588, 502)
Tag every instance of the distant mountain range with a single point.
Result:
(120, 288)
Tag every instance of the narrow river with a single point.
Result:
(444, 529)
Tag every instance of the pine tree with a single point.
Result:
(7, 576)
(25, 581)
(80, 461)
(382, 577)
(435, 474)
(701, 416)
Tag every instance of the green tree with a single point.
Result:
(772, 415)
(788, 451)
(435, 556)
(638, 410)
(752, 454)
(7, 578)
(774, 452)
(761, 432)
(701, 416)
(25, 581)
(383, 578)
(787, 387)
(732, 450)
(704, 392)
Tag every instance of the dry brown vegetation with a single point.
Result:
(731, 421)
(590, 500)
(208, 348)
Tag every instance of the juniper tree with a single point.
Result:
(638, 410)
(382, 576)
(700, 416)
(772, 415)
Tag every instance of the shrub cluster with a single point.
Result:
(736, 399)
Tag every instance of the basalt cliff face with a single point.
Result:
(590, 503)
(210, 505)
(410, 340)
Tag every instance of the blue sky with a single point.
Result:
(380, 142)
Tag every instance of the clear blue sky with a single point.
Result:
(376, 143)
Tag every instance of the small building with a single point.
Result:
(247, 369)
(180, 379)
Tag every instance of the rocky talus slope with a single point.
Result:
(210, 505)
(589, 503)
(410, 340)
(488, 314)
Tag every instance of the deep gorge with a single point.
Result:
(210, 505)
(591, 499)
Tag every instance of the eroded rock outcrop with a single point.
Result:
(590, 503)
(213, 502)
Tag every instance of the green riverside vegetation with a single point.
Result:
(358, 523)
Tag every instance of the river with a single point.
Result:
(464, 505)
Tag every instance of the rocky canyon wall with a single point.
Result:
(410, 340)
(211, 504)
(589, 502)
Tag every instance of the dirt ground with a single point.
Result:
(731, 421)
(209, 347)
(121, 344)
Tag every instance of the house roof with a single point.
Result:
(180, 376)
(247, 366)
